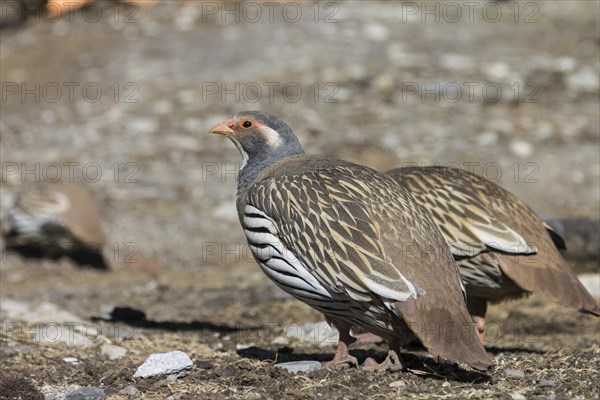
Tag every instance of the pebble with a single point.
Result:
(398, 384)
(204, 364)
(129, 391)
(377, 32)
(174, 362)
(517, 396)
(71, 360)
(227, 371)
(521, 148)
(514, 373)
(584, 80)
(300, 366)
(113, 352)
(86, 393)
(319, 333)
(57, 392)
(546, 383)
(142, 126)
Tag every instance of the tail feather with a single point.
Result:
(558, 284)
(447, 333)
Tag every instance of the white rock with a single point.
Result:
(521, 148)
(71, 360)
(456, 61)
(57, 392)
(174, 362)
(300, 366)
(113, 352)
(488, 138)
(566, 64)
(377, 32)
(398, 384)
(142, 126)
(517, 396)
(584, 80)
(497, 71)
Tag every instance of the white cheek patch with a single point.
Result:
(271, 136)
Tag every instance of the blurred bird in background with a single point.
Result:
(54, 221)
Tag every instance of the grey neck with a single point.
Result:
(253, 166)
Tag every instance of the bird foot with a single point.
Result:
(344, 360)
(392, 362)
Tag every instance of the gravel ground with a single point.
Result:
(382, 84)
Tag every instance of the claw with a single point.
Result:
(342, 361)
(342, 357)
(392, 362)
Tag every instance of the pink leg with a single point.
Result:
(477, 308)
(342, 357)
(392, 361)
(479, 326)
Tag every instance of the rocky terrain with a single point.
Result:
(120, 97)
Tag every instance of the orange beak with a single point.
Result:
(222, 129)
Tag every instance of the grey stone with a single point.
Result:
(174, 362)
(129, 391)
(300, 366)
(113, 352)
(398, 384)
(514, 373)
(86, 393)
(584, 80)
(227, 371)
(517, 396)
(57, 392)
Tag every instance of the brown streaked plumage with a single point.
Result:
(350, 242)
(56, 220)
(503, 249)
